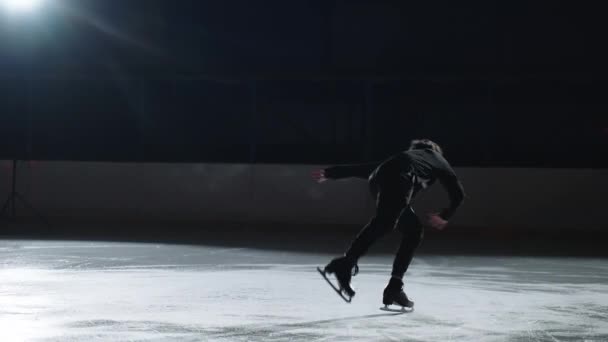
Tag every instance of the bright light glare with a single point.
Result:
(20, 6)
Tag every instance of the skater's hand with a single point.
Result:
(319, 176)
(435, 221)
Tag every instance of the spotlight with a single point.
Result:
(20, 6)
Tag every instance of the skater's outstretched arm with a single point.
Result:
(345, 171)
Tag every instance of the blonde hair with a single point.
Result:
(418, 144)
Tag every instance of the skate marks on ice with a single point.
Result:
(301, 331)
(139, 292)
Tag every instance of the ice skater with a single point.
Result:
(394, 183)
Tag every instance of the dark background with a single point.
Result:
(328, 81)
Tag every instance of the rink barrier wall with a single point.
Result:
(500, 198)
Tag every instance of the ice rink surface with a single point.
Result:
(106, 291)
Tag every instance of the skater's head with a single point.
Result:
(421, 144)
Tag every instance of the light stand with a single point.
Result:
(9, 210)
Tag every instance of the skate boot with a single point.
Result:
(394, 295)
(343, 269)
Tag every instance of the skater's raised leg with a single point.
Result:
(390, 193)
(343, 269)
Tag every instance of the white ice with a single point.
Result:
(98, 291)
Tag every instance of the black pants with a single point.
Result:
(393, 211)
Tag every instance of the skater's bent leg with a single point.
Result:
(413, 233)
(377, 227)
(389, 206)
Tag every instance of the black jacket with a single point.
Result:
(421, 166)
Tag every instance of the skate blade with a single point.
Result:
(338, 291)
(404, 309)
